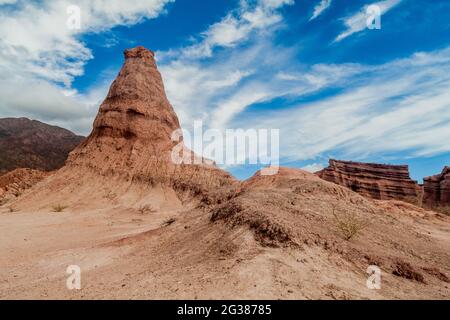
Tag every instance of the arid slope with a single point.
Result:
(275, 238)
(142, 227)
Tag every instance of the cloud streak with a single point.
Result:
(320, 8)
(358, 21)
(40, 56)
(236, 27)
(404, 106)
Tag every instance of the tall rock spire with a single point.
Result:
(129, 151)
(134, 122)
(132, 132)
(136, 106)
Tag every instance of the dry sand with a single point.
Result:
(127, 254)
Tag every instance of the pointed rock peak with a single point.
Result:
(136, 106)
(135, 121)
(139, 52)
(139, 78)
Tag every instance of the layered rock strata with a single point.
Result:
(377, 181)
(436, 190)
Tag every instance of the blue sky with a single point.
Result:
(311, 68)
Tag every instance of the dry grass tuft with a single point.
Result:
(59, 208)
(146, 209)
(111, 195)
(347, 222)
(405, 270)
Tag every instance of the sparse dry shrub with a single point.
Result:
(59, 208)
(110, 195)
(373, 260)
(146, 209)
(437, 273)
(405, 270)
(347, 222)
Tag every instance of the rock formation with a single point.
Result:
(134, 123)
(131, 145)
(26, 143)
(132, 134)
(436, 190)
(143, 227)
(378, 181)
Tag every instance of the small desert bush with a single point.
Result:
(347, 223)
(58, 208)
(12, 209)
(110, 195)
(169, 221)
(146, 209)
(405, 270)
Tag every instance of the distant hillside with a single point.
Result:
(26, 143)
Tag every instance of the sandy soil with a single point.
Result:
(126, 254)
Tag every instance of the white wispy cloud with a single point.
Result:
(313, 167)
(402, 106)
(40, 56)
(320, 8)
(237, 26)
(228, 83)
(223, 83)
(397, 106)
(358, 21)
(2, 2)
(34, 37)
(217, 86)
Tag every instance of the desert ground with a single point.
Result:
(189, 251)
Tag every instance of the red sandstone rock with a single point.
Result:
(378, 181)
(135, 120)
(437, 190)
(130, 149)
(133, 129)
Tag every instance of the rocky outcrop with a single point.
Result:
(26, 143)
(436, 190)
(129, 154)
(133, 130)
(378, 181)
(134, 124)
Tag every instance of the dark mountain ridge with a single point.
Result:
(26, 143)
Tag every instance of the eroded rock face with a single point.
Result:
(132, 133)
(135, 117)
(378, 181)
(436, 190)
